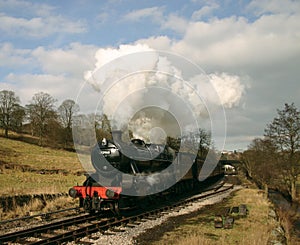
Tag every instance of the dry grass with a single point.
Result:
(287, 217)
(251, 230)
(17, 154)
(17, 180)
(14, 182)
(36, 206)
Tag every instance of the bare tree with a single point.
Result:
(199, 141)
(205, 142)
(284, 133)
(66, 112)
(9, 105)
(260, 161)
(41, 111)
(18, 116)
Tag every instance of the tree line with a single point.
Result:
(51, 125)
(39, 117)
(273, 161)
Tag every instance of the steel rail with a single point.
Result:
(15, 236)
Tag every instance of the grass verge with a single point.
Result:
(198, 228)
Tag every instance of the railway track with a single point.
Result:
(73, 229)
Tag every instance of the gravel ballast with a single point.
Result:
(127, 235)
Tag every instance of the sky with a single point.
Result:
(249, 50)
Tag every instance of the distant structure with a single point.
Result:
(231, 155)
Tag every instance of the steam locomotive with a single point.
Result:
(129, 172)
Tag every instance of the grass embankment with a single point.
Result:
(37, 206)
(198, 228)
(30, 169)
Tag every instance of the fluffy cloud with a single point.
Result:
(251, 56)
(73, 59)
(26, 85)
(236, 42)
(58, 72)
(158, 43)
(263, 54)
(161, 80)
(229, 88)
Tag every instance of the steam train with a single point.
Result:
(128, 173)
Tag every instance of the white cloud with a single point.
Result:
(236, 42)
(205, 11)
(155, 13)
(229, 88)
(126, 85)
(63, 70)
(262, 57)
(265, 49)
(42, 22)
(158, 43)
(105, 55)
(39, 27)
(72, 60)
(27, 7)
(26, 85)
(175, 23)
(260, 7)
(12, 57)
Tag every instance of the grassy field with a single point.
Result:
(13, 151)
(199, 229)
(25, 169)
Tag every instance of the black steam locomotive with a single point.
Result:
(126, 172)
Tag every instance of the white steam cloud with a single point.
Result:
(228, 87)
(133, 77)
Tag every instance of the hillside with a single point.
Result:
(29, 169)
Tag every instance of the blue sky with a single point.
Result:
(250, 49)
(105, 22)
